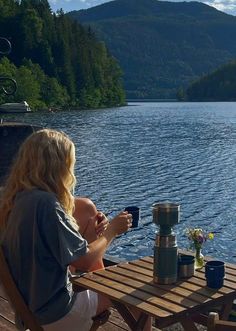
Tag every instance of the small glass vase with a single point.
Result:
(199, 259)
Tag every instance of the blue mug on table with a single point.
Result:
(135, 212)
(215, 273)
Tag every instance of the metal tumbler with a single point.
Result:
(165, 269)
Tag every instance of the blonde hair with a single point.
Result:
(45, 161)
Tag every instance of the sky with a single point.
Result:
(227, 6)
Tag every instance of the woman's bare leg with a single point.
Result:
(86, 216)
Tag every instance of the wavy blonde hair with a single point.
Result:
(45, 161)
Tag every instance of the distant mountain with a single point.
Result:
(220, 85)
(162, 46)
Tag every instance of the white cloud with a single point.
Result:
(69, 5)
(228, 6)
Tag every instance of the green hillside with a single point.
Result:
(220, 85)
(56, 61)
(162, 46)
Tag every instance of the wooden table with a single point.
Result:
(130, 284)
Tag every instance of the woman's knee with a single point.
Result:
(103, 303)
(86, 215)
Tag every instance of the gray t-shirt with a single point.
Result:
(40, 242)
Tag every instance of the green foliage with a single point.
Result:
(56, 62)
(220, 85)
(162, 45)
(34, 86)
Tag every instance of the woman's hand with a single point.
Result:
(121, 223)
(101, 224)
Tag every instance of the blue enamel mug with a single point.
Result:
(135, 212)
(215, 273)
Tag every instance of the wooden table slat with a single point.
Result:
(228, 282)
(121, 297)
(6, 310)
(188, 283)
(143, 264)
(147, 263)
(150, 289)
(137, 293)
(193, 284)
(139, 270)
(182, 292)
(226, 289)
(148, 259)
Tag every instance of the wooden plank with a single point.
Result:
(226, 289)
(122, 297)
(140, 291)
(148, 259)
(147, 263)
(7, 321)
(195, 286)
(229, 280)
(143, 264)
(5, 325)
(140, 270)
(135, 293)
(184, 293)
(127, 278)
(133, 272)
(192, 284)
(230, 269)
(6, 310)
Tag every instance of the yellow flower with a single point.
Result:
(211, 235)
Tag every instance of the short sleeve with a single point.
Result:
(59, 234)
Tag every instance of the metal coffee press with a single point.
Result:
(165, 267)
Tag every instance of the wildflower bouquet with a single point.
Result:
(197, 238)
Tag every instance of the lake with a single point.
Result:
(150, 152)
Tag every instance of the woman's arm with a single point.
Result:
(96, 249)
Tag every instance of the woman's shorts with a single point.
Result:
(80, 316)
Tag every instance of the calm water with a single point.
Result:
(149, 152)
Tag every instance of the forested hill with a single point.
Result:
(56, 62)
(162, 46)
(220, 85)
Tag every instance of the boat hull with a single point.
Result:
(21, 107)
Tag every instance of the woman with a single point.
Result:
(41, 238)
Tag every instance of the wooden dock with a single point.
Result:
(115, 323)
(7, 322)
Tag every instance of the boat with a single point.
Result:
(15, 107)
